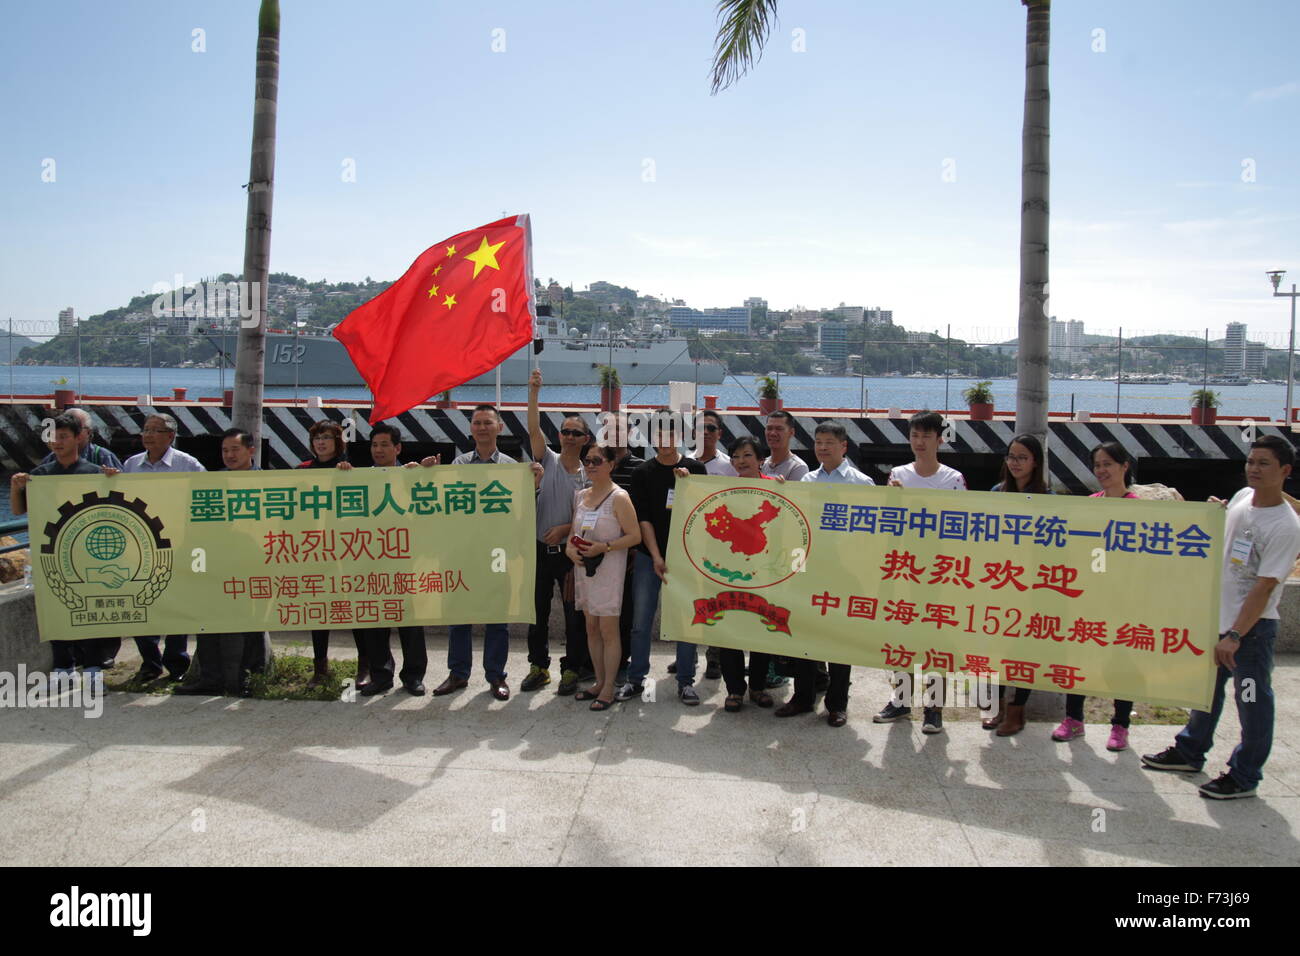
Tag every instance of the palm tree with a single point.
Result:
(744, 27)
(250, 372)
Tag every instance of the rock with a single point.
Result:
(13, 566)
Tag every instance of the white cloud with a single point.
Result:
(1274, 92)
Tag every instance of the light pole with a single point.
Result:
(1276, 277)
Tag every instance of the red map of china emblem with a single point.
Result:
(746, 537)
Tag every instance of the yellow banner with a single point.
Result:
(1104, 597)
(282, 550)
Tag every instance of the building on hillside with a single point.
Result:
(849, 314)
(878, 316)
(754, 302)
(683, 319)
(67, 320)
(833, 340)
(800, 314)
(1255, 358)
(1065, 341)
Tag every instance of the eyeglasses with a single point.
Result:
(594, 462)
(1019, 459)
(710, 428)
(572, 433)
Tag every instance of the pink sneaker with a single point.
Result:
(1069, 729)
(1118, 738)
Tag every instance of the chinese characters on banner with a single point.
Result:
(282, 550)
(1086, 595)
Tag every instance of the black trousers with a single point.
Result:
(320, 647)
(552, 569)
(175, 655)
(914, 696)
(379, 653)
(625, 618)
(733, 669)
(213, 648)
(1074, 708)
(805, 685)
(88, 652)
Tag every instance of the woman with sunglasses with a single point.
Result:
(1114, 467)
(1023, 472)
(604, 527)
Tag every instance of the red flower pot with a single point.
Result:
(1204, 415)
(610, 398)
(981, 412)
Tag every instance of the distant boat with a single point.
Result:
(1148, 380)
(1229, 380)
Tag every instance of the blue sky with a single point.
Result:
(818, 179)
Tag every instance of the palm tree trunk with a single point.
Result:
(1033, 360)
(249, 369)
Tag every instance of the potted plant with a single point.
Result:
(444, 400)
(769, 394)
(1204, 405)
(611, 392)
(980, 399)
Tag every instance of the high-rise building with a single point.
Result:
(1065, 341)
(849, 314)
(1255, 356)
(878, 316)
(67, 320)
(754, 302)
(1234, 344)
(833, 340)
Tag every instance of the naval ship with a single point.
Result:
(312, 356)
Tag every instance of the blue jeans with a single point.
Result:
(1254, 660)
(460, 651)
(645, 602)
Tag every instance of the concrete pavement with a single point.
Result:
(542, 780)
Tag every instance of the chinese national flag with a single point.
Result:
(463, 308)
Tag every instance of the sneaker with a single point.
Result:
(686, 694)
(1169, 759)
(891, 713)
(629, 691)
(713, 671)
(1068, 730)
(568, 683)
(1225, 788)
(538, 677)
(773, 678)
(1118, 738)
(933, 721)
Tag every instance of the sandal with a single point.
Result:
(601, 704)
(584, 695)
(761, 697)
(733, 703)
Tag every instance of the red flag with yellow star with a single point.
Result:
(462, 308)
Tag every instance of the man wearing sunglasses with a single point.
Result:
(562, 476)
(714, 461)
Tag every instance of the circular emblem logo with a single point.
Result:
(746, 537)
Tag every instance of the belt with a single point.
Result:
(555, 549)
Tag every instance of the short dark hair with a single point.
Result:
(245, 438)
(833, 428)
(565, 416)
(383, 428)
(485, 407)
(1119, 454)
(710, 413)
(927, 421)
(784, 416)
(68, 422)
(1279, 446)
(748, 441)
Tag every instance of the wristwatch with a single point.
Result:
(1233, 636)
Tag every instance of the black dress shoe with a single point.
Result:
(837, 718)
(373, 688)
(146, 674)
(452, 683)
(197, 690)
(414, 687)
(500, 689)
(792, 709)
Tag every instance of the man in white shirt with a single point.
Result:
(925, 435)
(1261, 539)
(158, 457)
(831, 443)
(780, 462)
(714, 461)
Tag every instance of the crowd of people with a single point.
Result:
(602, 543)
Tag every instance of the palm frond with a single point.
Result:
(743, 29)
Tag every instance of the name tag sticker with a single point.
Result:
(588, 522)
(669, 502)
(1240, 552)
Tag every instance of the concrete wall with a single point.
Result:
(19, 637)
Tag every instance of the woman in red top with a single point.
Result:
(1114, 467)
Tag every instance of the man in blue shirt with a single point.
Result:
(95, 454)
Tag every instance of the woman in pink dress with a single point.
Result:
(604, 527)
